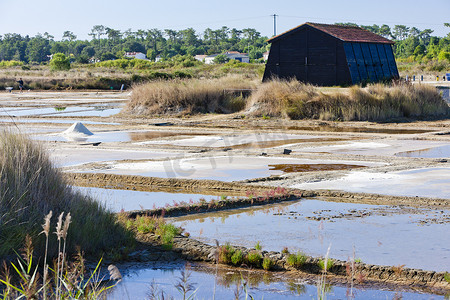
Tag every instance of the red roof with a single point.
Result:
(344, 33)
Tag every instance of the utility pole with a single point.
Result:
(274, 24)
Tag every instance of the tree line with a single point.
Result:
(413, 43)
(108, 43)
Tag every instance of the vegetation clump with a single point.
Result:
(189, 96)
(378, 102)
(30, 186)
(254, 259)
(156, 225)
(296, 260)
(267, 264)
(329, 264)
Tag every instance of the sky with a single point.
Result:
(29, 17)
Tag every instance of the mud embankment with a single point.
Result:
(340, 271)
(215, 187)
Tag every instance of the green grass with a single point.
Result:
(321, 264)
(267, 264)
(296, 260)
(30, 186)
(237, 258)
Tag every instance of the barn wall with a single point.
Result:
(309, 55)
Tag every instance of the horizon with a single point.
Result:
(45, 17)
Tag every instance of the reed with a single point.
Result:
(377, 102)
(189, 96)
(30, 187)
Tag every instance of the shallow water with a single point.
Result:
(53, 121)
(138, 282)
(97, 111)
(423, 182)
(111, 136)
(117, 200)
(380, 235)
(225, 168)
(436, 152)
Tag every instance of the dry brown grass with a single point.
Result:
(189, 96)
(30, 186)
(378, 102)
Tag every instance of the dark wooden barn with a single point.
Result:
(328, 55)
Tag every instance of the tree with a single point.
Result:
(221, 59)
(60, 62)
(400, 32)
(113, 34)
(420, 50)
(68, 35)
(97, 31)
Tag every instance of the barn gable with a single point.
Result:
(326, 55)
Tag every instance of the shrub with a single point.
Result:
(258, 246)
(267, 264)
(237, 258)
(59, 62)
(226, 253)
(321, 264)
(10, 63)
(30, 186)
(296, 260)
(254, 259)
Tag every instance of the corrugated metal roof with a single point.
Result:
(344, 33)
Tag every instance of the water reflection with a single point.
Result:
(145, 281)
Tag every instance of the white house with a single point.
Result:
(242, 57)
(266, 55)
(200, 57)
(137, 55)
(158, 58)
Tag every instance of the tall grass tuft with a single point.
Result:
(189, 96)
(30, 187)
(378, 102)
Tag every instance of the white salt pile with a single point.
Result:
(77, 129)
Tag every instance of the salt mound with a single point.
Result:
(77, 129)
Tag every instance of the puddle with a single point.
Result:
(379, 236)
(116, 200)
(437, 152)
(327, 128)
(209, 283)
(424, 182)
(291, 168)
(225, 168)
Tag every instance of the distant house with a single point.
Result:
(328, 55)
(242, 57)
(209, 60)
(200, 57)
(137, 55)
(266, 55)
(158, 58)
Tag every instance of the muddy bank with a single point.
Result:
(340, 271)
(215, 187)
